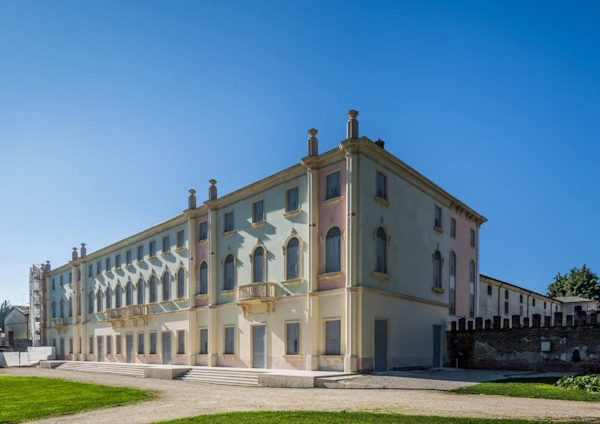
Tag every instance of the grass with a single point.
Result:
(33, 398)
(540, 388)
(309, 417)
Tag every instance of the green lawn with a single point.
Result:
(303, 417)
(542, 388)
(32, 398)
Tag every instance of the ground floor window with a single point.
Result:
(180, 342)
(153, 343)
(204, 341)
(293, 338)
(118, 343)
(140, 343)
(91, 346)
(332, 337)
(80, 346)
(109, 345)
(229, 341)
(71, 345)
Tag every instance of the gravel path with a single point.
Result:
(179, 399)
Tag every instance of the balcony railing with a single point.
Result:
(130, 311)
(256, 291)
(58, 322)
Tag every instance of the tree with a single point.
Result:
(578, 282)
(4, 308)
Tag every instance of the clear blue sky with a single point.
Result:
(111, 110)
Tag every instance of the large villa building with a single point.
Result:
(349, 260)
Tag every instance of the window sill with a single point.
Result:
(292, 214)
(152, 258)
(228, 234)
(382, 201)
(180, 249)
(383, 276)
(229, 356)
(331, 275)
(108, 273)
(140, 262)
(117, 269)
(289, 356)
(228, 292)
(203, 241)
(98, 275)
(438, 290)
(129, 266)
(257, 225)
(165, 254)
(438, 230)
(292, 283)
(326, 356)
(180, 300)
(165, 302)
(201, 296)
(332, 201)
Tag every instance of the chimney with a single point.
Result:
(83, 250)
(192, 199)
(352, 127)
(212, 190)
(380, 143)
(74, 254)
(313, 143)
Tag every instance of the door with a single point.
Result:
(437, 346)
(129, 348)
(380, 363)
(166, 347)
(258, 346)
(100, 347)
(11, 338)
(62, 348)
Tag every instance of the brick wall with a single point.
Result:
(516, 345)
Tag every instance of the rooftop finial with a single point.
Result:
(74, 254)
(212, 190)
(352, 126)
(192, 199)
(83, 251)
(313, 142)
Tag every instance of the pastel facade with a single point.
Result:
(16, 325)
(341, 262)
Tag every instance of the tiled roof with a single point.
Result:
(22, 309)
(573, 299)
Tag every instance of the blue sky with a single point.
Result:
(111, 110)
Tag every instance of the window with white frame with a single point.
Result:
(333, 186)
(90, 304)
(118, 344)
(229, 341)
(140, 253)
(437, 222)
(203, 341)
(107, 264)
(452, 293)
(471, 289)
(61, 281)
(292, 255)
(117, 261)
(292, 203)
(62, 308)
(452, 227)
(108, 298)
(90, 271)
(70, 277)
(166, 286)
(153, 343)
(140, 343)
(203, 231)
(91, 345)
(180, 239)
(228, 273)
(128, 257)
(140, 292)
(70, 345)
(79, 300)
(152, 249)
(98, 268)
(203, 278)
(381, 186)
(332, 337)
(437, 269)
(228, 223)
(180, 283)
(333, 250)
(381, 251)
(109, 345)
(258, 265)
(119, 296)
(129, 294)
(153, 289)
(166, 244)
(54, 309)
(70, 306)
(53, 284)
(258, 212)
(80, 346)
(293, 338)
(181, 342)
(99, 301)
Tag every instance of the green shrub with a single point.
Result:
(589, 383)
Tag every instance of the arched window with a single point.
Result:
(381, 251)
(62, 308)
(166, 285)
(180, 283)
(333, 250)
(258, 263)
(99, 301)
(129, 294)
(293, 259)
(228, 273)
(108, 298)
(437, 269)
(90, 303)
(53, 309)
(472, 272)
(452, 283)
(140, 292)
(70, 306)
(153, 289)
(203, 278)
(119, 296)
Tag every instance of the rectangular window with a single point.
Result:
(333, 186)
(80, 346)
(180, 239)
(203, 231)
(98, 268)
(332, 337)
(152, 249)
(291, 203)
(107, 264)
(520, 298)
(544, 305)
(90, 271)
(204, 341)
(70, 275)
(452, 227)
(140, 343)
(472, 238)
(79, 305)
(381, 186)
(91, 346)
(489, 289)
(437, 223)
(181, 342)
(53, 284)
(140, 253)
(166, 244)
(109, 345)
(505, 308)
(228, 222)
(153, 343)
(118, 344)
(71, 345)
(258, 212)
(118, 261)
(229, 341)
(533, 302)
(506, 294)
(128, 257)
(293, 339)
(61, 281)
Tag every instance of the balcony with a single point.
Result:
(131, 311)
(58, 322)
(256, 293)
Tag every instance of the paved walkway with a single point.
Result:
(179, 399)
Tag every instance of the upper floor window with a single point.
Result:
(129, 294)
(54, 309)
(166, 285)
(203, 231)
(544, 305)
(452, 227)
(153, 289)
(437, 223)
(53, 284)
(118, 296)
(180, 283)
(520, 298)
(108, 298)
(333, 250)
(99, 301)
(98, 268)
(91, 303)
(258, 212)
(291, 203)
(471, 289)
(61, 281)
(452, 285)
(140, 253)
(489, 289)
(70, 307)
(62, 308)
(90, 271)
(258, 264)
(107, 264)
(472, 238)
(128, 258)
(152, 249)
(381, 251)
(506, 294)
(140, 292)
(533, 301)
(381, 186)
(228, 273)
(472, 272)
(166, 244)
(203, 278)
(333, 186)
(437, 269)
(228, 224)
(180, 239)
(292, 255)
(118, 261)
(452, 264)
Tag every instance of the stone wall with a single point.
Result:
(571, 345)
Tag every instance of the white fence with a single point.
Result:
(24, 359)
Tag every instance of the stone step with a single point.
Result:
(215, 377)
(221, 377)
(222, 382)
(220, 372)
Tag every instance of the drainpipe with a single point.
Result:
(499, 298)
